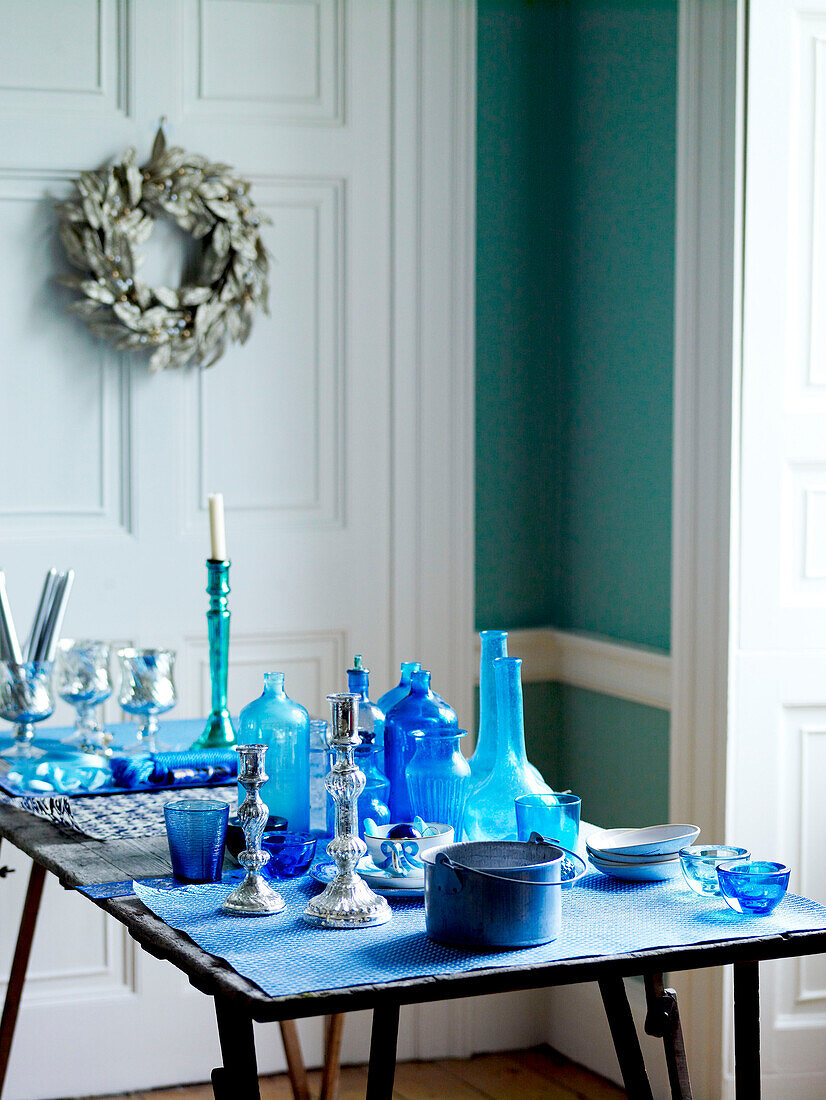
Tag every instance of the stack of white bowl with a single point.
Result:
(640, 855)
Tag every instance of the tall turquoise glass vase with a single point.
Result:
(395, 694)
(421, 709)
(284, 726)
(438, 778)
(490, 813)
(218, 733)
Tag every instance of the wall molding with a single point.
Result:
(639, 674)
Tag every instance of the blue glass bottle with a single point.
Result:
(494, 645)
(438, 778)
(373, 799)
(423, 710)
(490, 813)
(284, 726)
(391, 697)
(371, 716)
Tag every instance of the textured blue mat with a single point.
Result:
(600, 916)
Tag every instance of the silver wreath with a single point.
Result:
(112, 214)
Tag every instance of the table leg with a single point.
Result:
(20, 962)
(295, 1060)
(381, 1072)
(663, 1021)
(237, 1079)
(334, 1027)
(747, 1030)
(626, 1042)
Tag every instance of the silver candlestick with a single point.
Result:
(253, 897)
(347, 901)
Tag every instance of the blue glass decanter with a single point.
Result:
(423, 710)
(494, 644)
(284, 726)
(490, 813)
(395, 694)
(438, 778)
(373, 799)
(371, 716)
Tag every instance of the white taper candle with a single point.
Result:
(217, 530)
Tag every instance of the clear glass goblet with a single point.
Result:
(26, 697)
(82, 679)
(147, 688)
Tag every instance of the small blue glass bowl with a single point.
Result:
(753, 888)
(290, 854)
(700, 862)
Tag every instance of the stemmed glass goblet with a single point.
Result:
(83, 680)
(147, 688)
(26, 697)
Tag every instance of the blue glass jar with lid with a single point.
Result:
(371, 716)
(421, 709)
(372, 801)
(438, 778)
(395, 694)
(284, 726)
(490, 813)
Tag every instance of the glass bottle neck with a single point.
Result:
(494, 644)
(358, 682)
(274, 683)
(420, 682)
(510, 719)
(408, 668)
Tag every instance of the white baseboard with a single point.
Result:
(637, 673)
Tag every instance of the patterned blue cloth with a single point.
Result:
(600, 916)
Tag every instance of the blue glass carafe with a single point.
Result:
(371, 716)
(391, 697)
(494, 644)
(421, 709)
(438, 778)
(490, 813)
(284, 726)
(373, 799)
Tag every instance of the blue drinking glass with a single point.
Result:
(755, 887)
(197, 829)
(290, 854)
(554, 816)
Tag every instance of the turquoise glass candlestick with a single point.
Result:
(218, 733)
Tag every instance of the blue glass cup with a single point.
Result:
(700, 862)
(554, 816)
(290, 854)
(196, 829)
(753, 888)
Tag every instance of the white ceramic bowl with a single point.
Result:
(654, 840)
(648, 872)
(633, 860)
(413, 846)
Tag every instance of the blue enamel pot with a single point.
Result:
(497, 893)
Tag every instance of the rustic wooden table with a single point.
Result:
(76, 861)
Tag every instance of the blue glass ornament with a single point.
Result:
(438, 778)
(275, 720)
(490, 813)
(423, 710)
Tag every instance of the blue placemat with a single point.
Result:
(600, 916)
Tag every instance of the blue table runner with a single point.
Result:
(284, 956)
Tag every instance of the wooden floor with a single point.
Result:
(538, 1074)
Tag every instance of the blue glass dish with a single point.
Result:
(235, 834)
(699, 864)
(197, 830)
(290, 854)
(753, 888)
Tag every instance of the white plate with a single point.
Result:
(651, 841)
(325, 872)
(379, 879)
(622, 859)
(650, 872)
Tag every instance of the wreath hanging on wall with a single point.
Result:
(112, 214)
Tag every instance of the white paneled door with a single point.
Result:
(778, 730)
(340, 436)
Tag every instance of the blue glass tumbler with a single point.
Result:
(438, 777)
(197, 830)
(554, 816)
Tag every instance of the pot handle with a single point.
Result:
(444, 860)
(537, 838)
(448, 864)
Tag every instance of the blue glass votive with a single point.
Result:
(554, 816)
(290, 854)
(196, 829)
(700, 862)
(755, 888)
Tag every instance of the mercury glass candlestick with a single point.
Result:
(253, 897)
(347, 901)
(218, 733)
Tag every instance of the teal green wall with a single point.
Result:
(575, 252)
